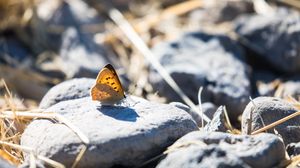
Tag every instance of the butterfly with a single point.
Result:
(108, 89)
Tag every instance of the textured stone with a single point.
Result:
(293, 149)
(72, 89)
(216, 149)
(221, 11)
(212, 61)
(195, 157)
(274, 37)
(218, 122)
(126, 134)
(268, 110)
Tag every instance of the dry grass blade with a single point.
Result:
(30, 150)
(295, 162)
(47, 115)
(79, 156)
(32, 160)
(9, 157)
(174, 10)
(26, 114)
(50, 162)
(75, 129)
(227, 119)
(128, 30)
(276, 123)
(200, 106)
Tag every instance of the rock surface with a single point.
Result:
(218, 122)
(274, 37)
(293, 149)
(216, 149)
(212, 61)
(5, 164)
(13, 51)
(127, 134)
(221, 11)
(268, 110)
(79, 54)
(72, 89)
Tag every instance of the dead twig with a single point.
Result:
(31, 151)
(46, 115)
(276, 123)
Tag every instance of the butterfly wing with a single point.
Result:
(108, 88)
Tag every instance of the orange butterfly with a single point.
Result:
(108, 89)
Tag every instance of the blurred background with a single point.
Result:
(45, 42)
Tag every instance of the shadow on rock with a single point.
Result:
(119, 112)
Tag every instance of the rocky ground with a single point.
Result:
(244, 54)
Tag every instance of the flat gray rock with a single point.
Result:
(195, 157)
(217, 149)
(67, 90)
(268, 110)
(212, 61)
(127, 134)
(274, 37)
(218, 122)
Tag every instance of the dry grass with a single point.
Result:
(12, 124)
(15, 114)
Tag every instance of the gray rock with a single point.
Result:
(221, 11)
(76, 14)
(180, 105)
(126, 134)
(275, 38)
(293, 149)
(6, 164)
(38, 164)
(212, 61)
(197, 157)
(202, 149)
(218, 123)
(81, 57)
(268, 110)
(195, 114)
(72, 89)
(13, 52)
